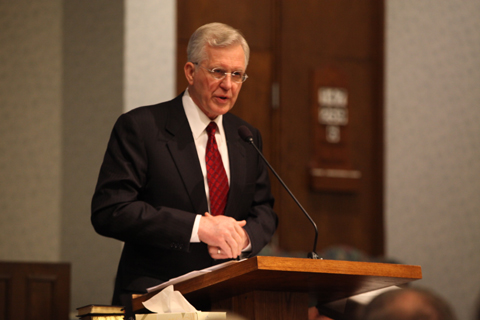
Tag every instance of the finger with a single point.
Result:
(241, 235)
(241, 238)
(219, 253)
(235, 248)
(240, 242)
(234, 245)
(234, 240)
(245, 240)
(226, 250)
(242, 223)
(215, 252)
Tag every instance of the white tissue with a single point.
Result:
(168, 301)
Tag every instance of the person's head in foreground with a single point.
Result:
(408, 304)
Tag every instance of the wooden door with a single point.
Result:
(292, 43)
(347, 36)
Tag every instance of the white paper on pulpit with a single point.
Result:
(191, 275)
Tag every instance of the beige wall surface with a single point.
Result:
(149, 64)
(93, 43)
(30, 130)
(433, 144)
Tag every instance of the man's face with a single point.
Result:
(215, 97)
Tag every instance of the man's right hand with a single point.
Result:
(223, 232)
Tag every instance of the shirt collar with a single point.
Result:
(196, 118)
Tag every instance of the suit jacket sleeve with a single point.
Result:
(129, 203)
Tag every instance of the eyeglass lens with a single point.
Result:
(220, 74)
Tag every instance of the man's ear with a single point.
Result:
(189, 70)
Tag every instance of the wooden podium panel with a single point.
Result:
(34, 290)
(254, 282)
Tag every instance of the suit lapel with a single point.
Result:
(236, 155)
(184, 154)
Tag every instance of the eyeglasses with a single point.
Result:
(219, 74)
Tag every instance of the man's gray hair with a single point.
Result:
(215, 35)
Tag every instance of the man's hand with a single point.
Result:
(225, 236)
(217, 253)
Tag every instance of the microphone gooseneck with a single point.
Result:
(247, 136)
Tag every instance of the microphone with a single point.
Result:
(247, 136)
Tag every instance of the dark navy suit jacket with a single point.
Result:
(151, 186)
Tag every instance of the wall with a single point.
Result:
(93, 43)
(433, 144)
(30, 130)
(149, 52)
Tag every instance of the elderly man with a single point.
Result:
(177, 184)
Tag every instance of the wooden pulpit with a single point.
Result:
(263, 288)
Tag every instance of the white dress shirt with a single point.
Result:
(198, 122)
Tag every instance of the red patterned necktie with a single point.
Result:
(216, 175)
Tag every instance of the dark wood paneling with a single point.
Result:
(34, 291)
(252, 17)
(348, 35)
(5, 293)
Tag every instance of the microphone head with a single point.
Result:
(245, 133)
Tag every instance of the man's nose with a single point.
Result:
(226, 82)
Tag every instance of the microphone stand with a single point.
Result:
(313, 254)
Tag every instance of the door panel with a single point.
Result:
(346, 35)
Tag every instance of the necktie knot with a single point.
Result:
(211, 128)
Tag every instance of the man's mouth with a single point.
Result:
(223, 98)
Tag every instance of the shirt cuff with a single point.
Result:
(194, 237)
(248, 248)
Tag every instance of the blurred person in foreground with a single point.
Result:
(408, 304)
